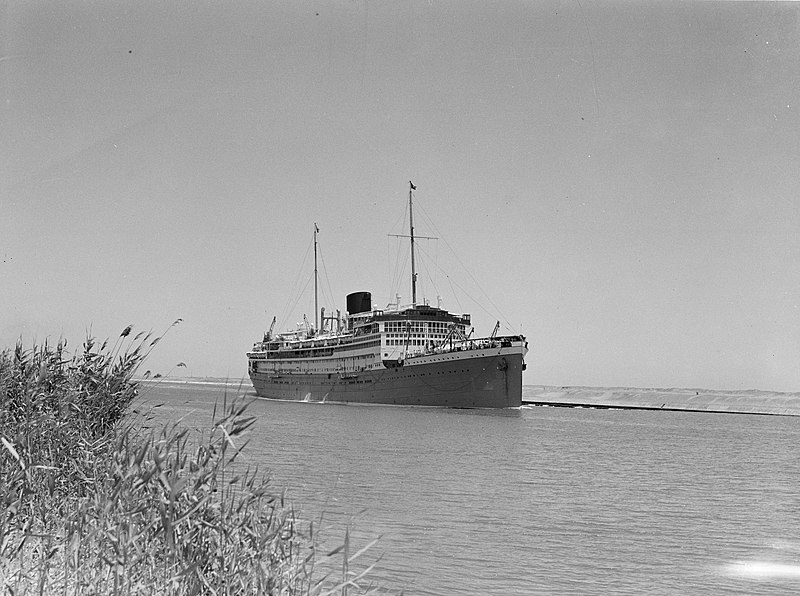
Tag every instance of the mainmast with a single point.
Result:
(316, 299)
(411, 187)
(413, 237)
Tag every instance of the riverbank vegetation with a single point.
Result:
(93, 502)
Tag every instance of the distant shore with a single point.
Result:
(749, 401)
(228, 382)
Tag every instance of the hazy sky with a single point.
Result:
(622, 179)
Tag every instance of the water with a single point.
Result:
(539, 500)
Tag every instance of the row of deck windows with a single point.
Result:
(416, 327)
(304, 366)
(410, 342)
(416, 335)
(320, 351)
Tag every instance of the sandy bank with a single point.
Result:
(693, 400)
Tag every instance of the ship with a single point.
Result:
(406, 355)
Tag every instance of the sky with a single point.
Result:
(618, 181)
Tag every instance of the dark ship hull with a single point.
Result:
(465, 379)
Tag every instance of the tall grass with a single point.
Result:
(92, 503)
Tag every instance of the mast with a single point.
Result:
(316, 299)
(413, 237)
(411, 188)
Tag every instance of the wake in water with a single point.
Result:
(763, 570)
(770, 570)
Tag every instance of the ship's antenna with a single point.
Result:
(411, 187)
(316, 298)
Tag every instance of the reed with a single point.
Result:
(93, 503)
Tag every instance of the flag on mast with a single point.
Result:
(412, 185)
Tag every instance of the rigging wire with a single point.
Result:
(488, 298)
(396, 280)
(300, 295)
(423, 263)
(396, 272)
(296, 295)
(453, 291)
(287, 311)
(471, 297)
(331, 296)
(455, 294)
(399, 272)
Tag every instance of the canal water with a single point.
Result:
(537, 500)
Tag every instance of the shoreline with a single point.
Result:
(745, 401)
(748, 401)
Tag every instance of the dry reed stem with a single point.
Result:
(92, 504)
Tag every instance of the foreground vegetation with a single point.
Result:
(92, 503)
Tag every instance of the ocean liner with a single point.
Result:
(415, 354)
